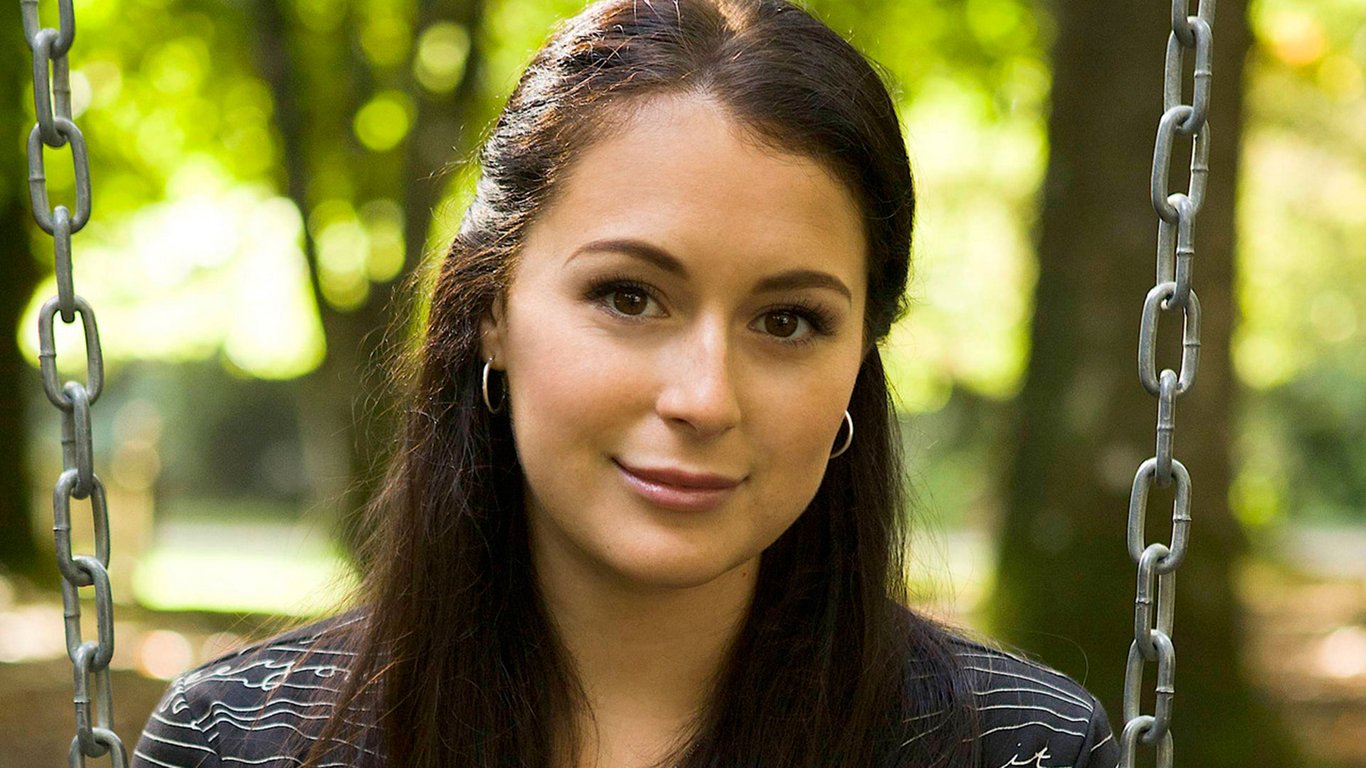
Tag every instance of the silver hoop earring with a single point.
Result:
(488, 403)
(849, 438)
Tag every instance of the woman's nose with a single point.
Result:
(699, 387)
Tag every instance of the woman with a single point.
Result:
(630, 522)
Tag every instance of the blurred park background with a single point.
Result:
(268, 175)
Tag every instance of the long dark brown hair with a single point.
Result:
(456, 663)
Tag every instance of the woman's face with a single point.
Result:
(689, 304)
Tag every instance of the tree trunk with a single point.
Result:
(19, 551)
(346, 405)
(444, 129)
(1085, 423)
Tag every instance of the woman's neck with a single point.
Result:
(647, 656)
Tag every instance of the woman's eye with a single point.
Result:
(782, 324)
(625, 298)
(795, 325)
(630, 301)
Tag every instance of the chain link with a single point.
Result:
(1155, 599)
(56, 128)
(65, 130)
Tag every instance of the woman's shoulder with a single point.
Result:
(1031, 714)
(307, 658)
(245, 703)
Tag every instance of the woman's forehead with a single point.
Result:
(680, 171)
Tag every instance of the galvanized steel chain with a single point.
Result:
(56, 129)
(1155, 603)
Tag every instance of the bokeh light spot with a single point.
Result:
(383, 122)
(441, 54)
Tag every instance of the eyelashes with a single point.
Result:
(601, 289)
(821, 321)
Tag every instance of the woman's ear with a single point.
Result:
(491, 330)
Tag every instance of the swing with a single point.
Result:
(1157, 562)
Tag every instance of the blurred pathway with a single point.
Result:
(1306, 619)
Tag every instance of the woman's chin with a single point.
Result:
(673, 571)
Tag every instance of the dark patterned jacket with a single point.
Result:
(242, 708)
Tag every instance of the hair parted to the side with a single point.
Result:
(456, 661)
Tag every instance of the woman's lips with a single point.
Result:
(677, 489)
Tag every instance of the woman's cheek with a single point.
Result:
(796, 444)
(570, 377)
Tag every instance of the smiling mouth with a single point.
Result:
(678, 490)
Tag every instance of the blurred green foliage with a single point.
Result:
(195, 249)
(1302, 294)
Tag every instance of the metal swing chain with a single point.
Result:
(1176, 212)
(56, 129)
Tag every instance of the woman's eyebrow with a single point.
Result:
(804, 278)
(637, 248)
(788, 280)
